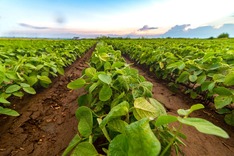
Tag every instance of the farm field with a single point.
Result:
(47, 121)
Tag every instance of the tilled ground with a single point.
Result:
(47, 122)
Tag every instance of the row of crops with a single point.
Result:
(27, 64)
(205, 67)
(118, 116)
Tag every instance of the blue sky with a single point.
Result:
(51, 18)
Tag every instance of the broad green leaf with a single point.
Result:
(229, 118)
(13, 88)
(201, 79)
(218, 77)
(76, 139)
(90, 72)
(18, 94)
(105, 93)
(196, 107)
(164, 120)
(204, 126)
(8, 111)
(117, 111)
(84, 149)
(119, 146)
(222, 100)
(180, 65)
(24, 85)
(205, 85)
(44, 79)
(105, 78)
(93, 87)
(85, 100)
(107, 66)
(223, 111)
(11, 75)
(211, 86)
(159, 107)
(143, 109)
(85, 121)
(4, 101)
(189, 111)
(32, 80)
(193, 78)
(78, 83)
(118, 64)
(141, 139)
(222, 91)
(229, 79)
(60, 70)
(184, 76)
(117, 125)
(29, 90)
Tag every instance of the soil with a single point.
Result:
(47, 122)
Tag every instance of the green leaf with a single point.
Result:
(138, 140)
(84, 149)
(189, 111)
(204, 126)
(29, 90)
(229, 79)
(119, 146)
(105, 93)
(13, 88)
(93, 87)
(141, 139)
(4, 101)
(11, 75)
(222, 91)
(24, 85)
(85, 100)
(90, 72)
(78, 83)
(192, 78)
(164, 120)
(117, 125)
(201, 79)
(44, 79)
(159, 107)
(184, 76)
(180, 65)
(229, 118)
(18, 94)
(32, 80)
(143, 109)
(105, 78)
(221, 101)
(85, 121)
(117, 111)
(211, 86)
(218, 77)
(76, 139)
(8, 111)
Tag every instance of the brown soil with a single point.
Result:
(47, 122)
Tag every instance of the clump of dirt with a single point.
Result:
(47, 122)
(196, 142)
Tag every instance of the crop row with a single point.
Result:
(118, 116)
(26, 64)
(205, 67)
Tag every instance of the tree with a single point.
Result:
(223, 35)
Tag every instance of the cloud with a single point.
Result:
(60, 19)
(32, 26)
(199, 32)
(146, 27)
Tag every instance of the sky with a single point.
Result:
(91, 18)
